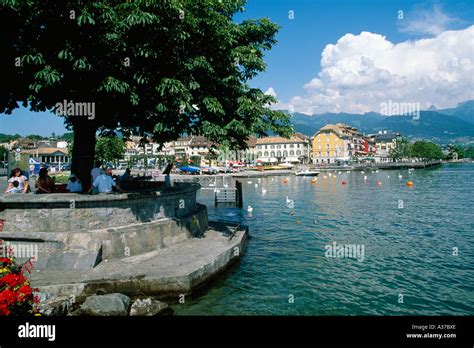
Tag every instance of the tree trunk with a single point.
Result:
(83, 151)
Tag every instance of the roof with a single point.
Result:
(280, 140)
(333, 128)
(51, 150)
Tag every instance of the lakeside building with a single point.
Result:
(341, 143)
(280, 150)
(384, 142)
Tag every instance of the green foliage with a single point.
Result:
(427, 150)
(402, 149)
(3, 153)
(109, 149)
(6, 138)
(162, 68)
(459, 150)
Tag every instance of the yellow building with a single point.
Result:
(332, 143)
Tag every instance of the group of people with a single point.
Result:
(101, 178)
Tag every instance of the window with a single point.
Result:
(285, 153)
(327, 154)
(327, 146)
(278, 146)
(266, 153)
(259, 154)
(272, 154)
(278, 153)
(272, 146)
(319, 146)
(284, 146)
(292, 153)
(328, 134)
(298, 152)
(319, 153)
(291, 146)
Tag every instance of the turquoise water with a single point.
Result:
(407, 251)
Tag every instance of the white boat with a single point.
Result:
(307, 172)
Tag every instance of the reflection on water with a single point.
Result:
(408, 251)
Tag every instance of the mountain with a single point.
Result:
(440, 125)
(431, 125)
(464, 111)
(311, 124)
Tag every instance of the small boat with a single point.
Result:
(307, 172)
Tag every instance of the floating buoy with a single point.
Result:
(339, 172)
(376, 171)
(379, 183)
(330, 174)
(409, 183)
(325, 177)
(365, 177)
(400, 176)
(315, 222)
(264, 191)
(250, 209)
(362, 172)
(249, 182)
(259, 179)
(313, 181)
(388, 176)
(284, 181)
(256, 185)
(344, 182)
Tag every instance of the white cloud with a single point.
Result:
(423, 21)
(271, 91)
(360, 72)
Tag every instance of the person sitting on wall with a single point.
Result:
(16, 175)
(126, 176)
(104, 183)
(44, 183)
(74, 185)
(14, 189)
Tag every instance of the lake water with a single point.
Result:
(421, 254)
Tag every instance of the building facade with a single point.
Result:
(280, 150)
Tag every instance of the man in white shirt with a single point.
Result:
(95, 172)
(74, 185)
(104, 183)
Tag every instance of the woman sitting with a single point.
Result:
(44, 183)
(17, 176)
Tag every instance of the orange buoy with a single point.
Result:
(409, 183)
(379, 183)
(313, 181)
(284, 181)
(344, 182)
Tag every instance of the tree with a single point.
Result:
(456, 149)
(157, 68)
(3, 153)
(427, 150)
(402, 149)
(109, 149)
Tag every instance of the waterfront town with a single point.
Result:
(333, 144)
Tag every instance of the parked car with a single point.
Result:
(66, 167)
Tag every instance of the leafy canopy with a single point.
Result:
(162, 68)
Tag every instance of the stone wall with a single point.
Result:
(76, 212)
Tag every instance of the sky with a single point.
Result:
(348, 56)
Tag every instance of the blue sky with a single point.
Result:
(296, 60)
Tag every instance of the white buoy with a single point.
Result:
(256, 185)
(325, 177)
(388, 176)
(264, 191)
(362, 172)
(249, 209)
(400, 176)
(249, 182)
(287, 200)
(259, 179)
(365, 177)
